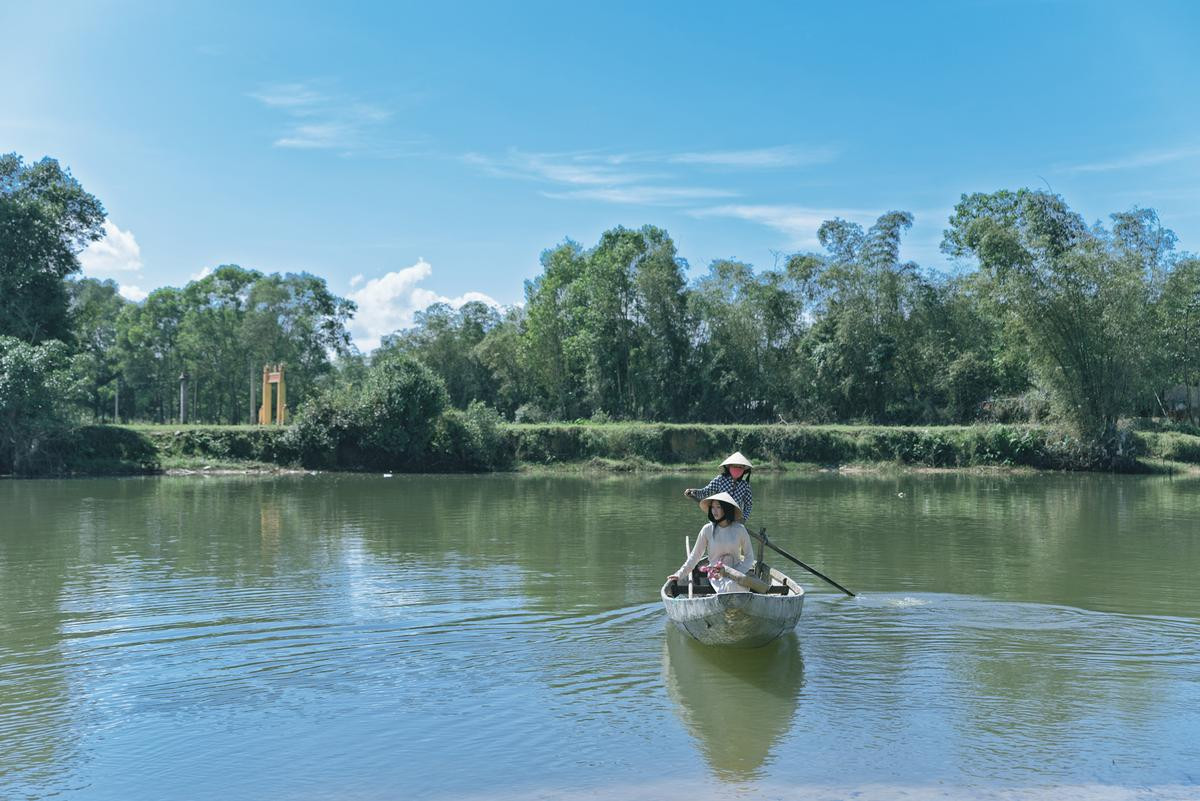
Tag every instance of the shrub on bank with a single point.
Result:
(477, 440)
(111, 450)
(269, 444)
(388, 423)
(34, 432)
(948, 446)
(1172, 446)
(474, 440)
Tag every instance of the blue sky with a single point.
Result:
(408, 153)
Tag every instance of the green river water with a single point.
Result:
(500, 637)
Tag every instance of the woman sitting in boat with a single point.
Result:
(726, 542)
(734, 479)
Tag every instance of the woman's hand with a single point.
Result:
(689, 493)
(672, 577)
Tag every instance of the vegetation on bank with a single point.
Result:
(1062, 331)
(622, 447)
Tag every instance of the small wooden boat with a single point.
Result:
(735, 619)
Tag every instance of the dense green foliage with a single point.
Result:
(1063, 324)
(477, 440)
(46, 219)
(941, 446)
(396, 418)
(261, 444)
(32, 425)
(1082, 324)
(1083, 296)
(220, 330)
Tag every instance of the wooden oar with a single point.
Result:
(762, 537)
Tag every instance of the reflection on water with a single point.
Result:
(737, 704)
(475, 637)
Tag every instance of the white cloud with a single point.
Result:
(289, 96)
(799, 223)
(320, 120)
(783, 156)
(390, 302)
(356, 280)
(644, 195)
(611, 177)
(589, 176)
(117, 252)
(130, 292)
(1144, 159)
(205, 272)
(572, 169)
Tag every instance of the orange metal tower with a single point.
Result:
(273, 374)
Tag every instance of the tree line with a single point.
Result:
(1057, 318)
(1088, 323)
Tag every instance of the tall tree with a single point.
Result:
(445, 339)
(551, 319)
(46, 220)
(148, 354)
(95, 309)
(660, 379)
(606, 329)
(728, 344)
(1178, 314)
(1081, 295)
(212, 344)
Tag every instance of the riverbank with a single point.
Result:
(648, 447)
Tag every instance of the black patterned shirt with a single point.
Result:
(740, 490)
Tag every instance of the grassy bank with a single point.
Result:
(650, 446)
(193, 446)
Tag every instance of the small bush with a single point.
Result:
(471, 440)
(1032, 407)
(111, 450)
(1175, 447)
(387, 424)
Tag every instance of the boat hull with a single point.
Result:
(737, 619)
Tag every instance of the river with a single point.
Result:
(500, 637)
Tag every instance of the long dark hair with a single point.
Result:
(726, 508)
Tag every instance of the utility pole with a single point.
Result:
(183, 379)
(117, 402)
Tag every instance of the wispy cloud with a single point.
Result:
(318, 118)
(1149, 158)
(289, 96)
(607, 178)
(798, 223)
(390, 302)
(116, 253)
(575, 169)
(763, 157)
(641, 178)
(645, 195)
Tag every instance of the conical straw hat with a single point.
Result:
(738, 459)
(727, 498)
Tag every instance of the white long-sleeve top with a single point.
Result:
(729, 544)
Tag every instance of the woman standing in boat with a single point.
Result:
(734, 480)
(726, 542)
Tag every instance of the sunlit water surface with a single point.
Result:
(361, 637)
